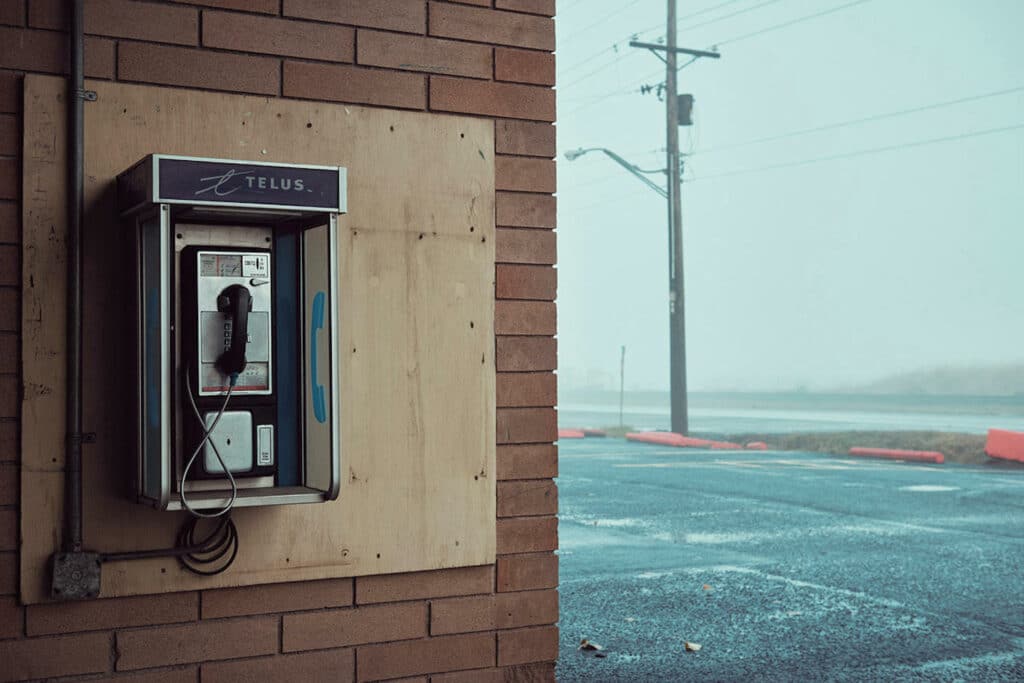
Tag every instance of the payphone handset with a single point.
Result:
(227, 356)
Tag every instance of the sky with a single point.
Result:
(818, 275)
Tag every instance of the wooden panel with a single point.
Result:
(417, 319)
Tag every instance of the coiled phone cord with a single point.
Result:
(207, 433)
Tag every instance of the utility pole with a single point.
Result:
(677, 318)
(622, 382)
(676, 307)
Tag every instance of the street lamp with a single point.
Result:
(677, 328)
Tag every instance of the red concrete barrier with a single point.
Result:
(899, 454)
(594, 432)
(1005, 445)
(570, 434)
(757, 446)
(680, 441)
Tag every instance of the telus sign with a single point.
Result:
(241, 183)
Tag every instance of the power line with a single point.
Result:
(792, 22)
(696, 14)
(615, 46)
(862, 152)
(605, 18)
(865, 119)
(798, 20)
(729, 16)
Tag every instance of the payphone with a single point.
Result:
(237, 331)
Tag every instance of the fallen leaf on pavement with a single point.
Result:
(692, 647)
(587, 645)
(707, 587)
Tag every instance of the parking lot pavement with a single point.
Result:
(787, 566)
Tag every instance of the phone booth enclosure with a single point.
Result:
(206, 230)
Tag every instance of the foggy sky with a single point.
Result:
(817, 276)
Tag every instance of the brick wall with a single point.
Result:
(490, 58)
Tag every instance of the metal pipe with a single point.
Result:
(75, 194)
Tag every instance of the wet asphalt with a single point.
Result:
(787, 567)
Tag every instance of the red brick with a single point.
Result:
(63, 656)
(527, 425)
(527, 390)
(424, 54)
(524, 137)
(527, 535)
(9, 396)
(9, 173)
(188, 674)
(100, 60)
(475, 676)
(197, 68)
(12, 618)
(526, 354)
(462, 615)
(525, 246)
(10, 92)
(527, 497)
(526, 282)
(527, 572)
(408, 16)
(486, 613)
(250, 33)
(492, 99)
(9, 476)
(12, 12)
(202, 641)
(10, 362)
(446, 653)
(96, 615)
(538, 672)
(525, 317)
(353, 84)
(491, 26)
(8, 573)
(478, 3)
(263, 6)
(10, 222)
(10, 140)
(10, 265)
(47, 51)
(524, 66)
(429, 584)
(522, 210)
(522, 174)
(10, 318)
(528, 645)
(544, 7)
(9, 444)
(354, 626)
(160, 23)
(277, 597)
(536, 461)
(330, 666)
(142, 21)
(33, 50)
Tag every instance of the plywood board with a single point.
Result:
(416, 313)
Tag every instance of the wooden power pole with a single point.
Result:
(677, 317)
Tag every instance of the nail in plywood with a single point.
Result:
(416, 312)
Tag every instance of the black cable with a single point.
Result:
(191, 553)
(865, 119)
